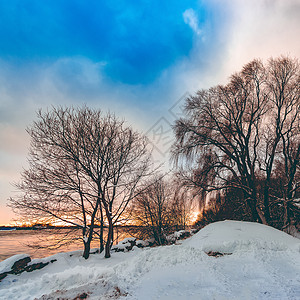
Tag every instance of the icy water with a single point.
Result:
(21, 241)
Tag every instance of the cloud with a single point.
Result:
(136, 40)
(190, 17)
(135, 60)
(236, 33)
(259, 29)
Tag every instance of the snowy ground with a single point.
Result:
(261, 263)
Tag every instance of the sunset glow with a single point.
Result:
(136, 60)
(149, 149)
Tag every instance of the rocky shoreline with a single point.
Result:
(23, 264)
(20, 263)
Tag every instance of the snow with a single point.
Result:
(264, 263)
(231, 236)
(128, 240)
(177, 235)
(85, 238)
(122, 246)
(142, 243)
(125, 245)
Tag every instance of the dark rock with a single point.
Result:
(129, 247)
(132, 242)
(3, 275)
(81, 296)
(36, 266)
(20, 265)
(216, 253)
(117, 249)
(126, 244)
(185, 234)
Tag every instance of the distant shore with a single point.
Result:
(40, 226)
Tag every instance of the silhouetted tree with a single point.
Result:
(151, 210)
(160, 209)
(84, 168)
(232, 135)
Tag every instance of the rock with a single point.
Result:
(3, 275)
(141, 244)
(81, 296)
(116, 249)
(216, 253)
(36, 266)
(125, 245)
(20, 265)
(185, 234)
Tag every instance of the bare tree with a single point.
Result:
(288, 127)
(84, 169)
(232, 134)
(126, 167)
(281, 135)
(160, 209)
(150, 210)
(181, 205)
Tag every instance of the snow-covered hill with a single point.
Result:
(259, 263)
(235, 236)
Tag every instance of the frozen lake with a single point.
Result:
(20, 241)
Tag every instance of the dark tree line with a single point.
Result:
(246, 136)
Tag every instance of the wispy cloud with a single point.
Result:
(190, 17)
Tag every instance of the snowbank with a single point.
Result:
(232, 236)
(264, 265)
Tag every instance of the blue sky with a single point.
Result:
(134, 40)
(135, 58)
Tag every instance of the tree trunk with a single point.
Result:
(87, 240)
(287, 218)
(267, 202)
(87, 248)
(249, 202)
(109, 241)
(261, 216)
(109, 235)
(101, 237)
(256, 213)
(101, 230)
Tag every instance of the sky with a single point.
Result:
(138, 59)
